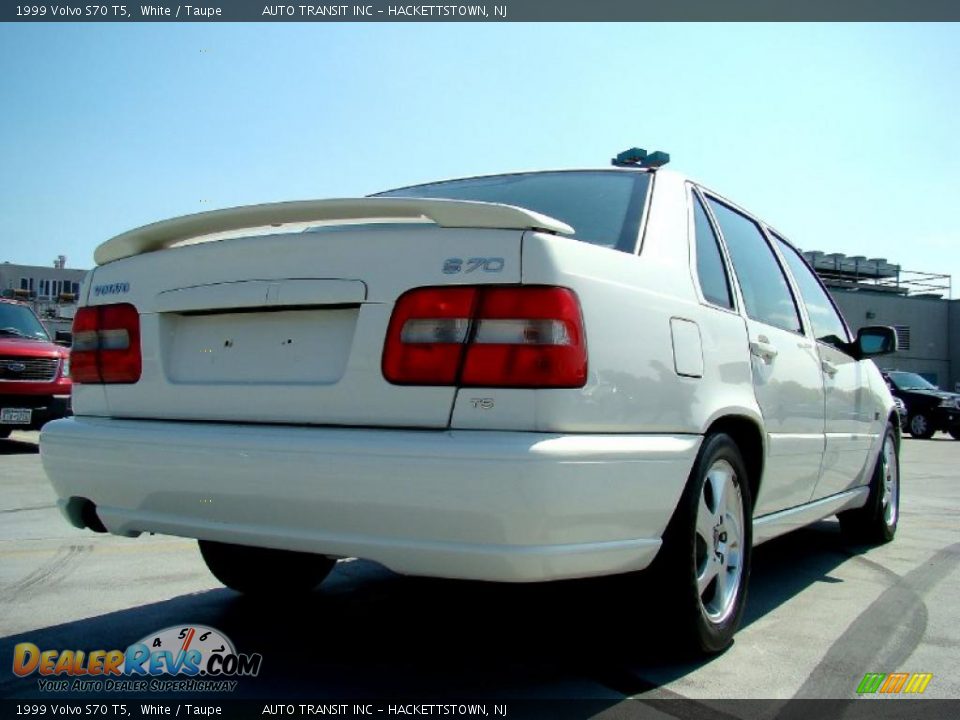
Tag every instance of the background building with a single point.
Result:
(52, 290)
(916, 304)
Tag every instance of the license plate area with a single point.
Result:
(16, 416)
(309, 346)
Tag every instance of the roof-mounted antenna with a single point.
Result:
(638, 157)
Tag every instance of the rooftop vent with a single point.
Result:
(857, 272)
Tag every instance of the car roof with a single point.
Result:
(608, 168)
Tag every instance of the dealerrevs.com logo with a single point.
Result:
(187, 658)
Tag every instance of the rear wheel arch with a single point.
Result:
(876, 522)
(702, 571)
(894, 419)
(749, 439)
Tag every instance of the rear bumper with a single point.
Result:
(508, 506)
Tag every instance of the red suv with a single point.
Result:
(34, 372)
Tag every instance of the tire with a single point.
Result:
(264, 571)
(954, 433)
(5, 433)
(920, 426)
(704, 566)
(876, 522)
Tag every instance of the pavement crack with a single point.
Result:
(29, 507)
(49, 573)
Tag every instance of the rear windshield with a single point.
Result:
(19, 322)
(602, 206)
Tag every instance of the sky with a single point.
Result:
(844, 136)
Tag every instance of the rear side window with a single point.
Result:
(824, 318)
(714, 283)
(766, 294)
(603, 207)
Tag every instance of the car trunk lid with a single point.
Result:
(287, 328)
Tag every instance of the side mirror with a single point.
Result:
(876, 340)
(63, 337)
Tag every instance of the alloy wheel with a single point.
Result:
(918, 425)
(718, 546)
(890, 500)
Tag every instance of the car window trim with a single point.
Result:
(644, 215)
(693, 195)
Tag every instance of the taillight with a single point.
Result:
(83, 351)
(106, 344)
(527, 337)
(425, 340)
(489, 336)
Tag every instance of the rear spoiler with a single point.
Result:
(446, 213)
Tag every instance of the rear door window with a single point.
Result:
(766, 293)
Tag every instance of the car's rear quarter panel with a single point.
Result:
(628, 302)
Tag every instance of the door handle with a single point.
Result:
(828, 367)
(763, 349)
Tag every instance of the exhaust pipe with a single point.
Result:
(82, 513)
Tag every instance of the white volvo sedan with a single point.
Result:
(520, 377)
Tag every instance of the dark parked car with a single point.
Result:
(929, 408)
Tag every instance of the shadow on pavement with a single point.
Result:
(13, 446)
(368, 633)
(782, 569)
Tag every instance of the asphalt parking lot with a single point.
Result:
(820, 613)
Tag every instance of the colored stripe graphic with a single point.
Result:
(870, 683)
(893, 683)
(918, 683)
